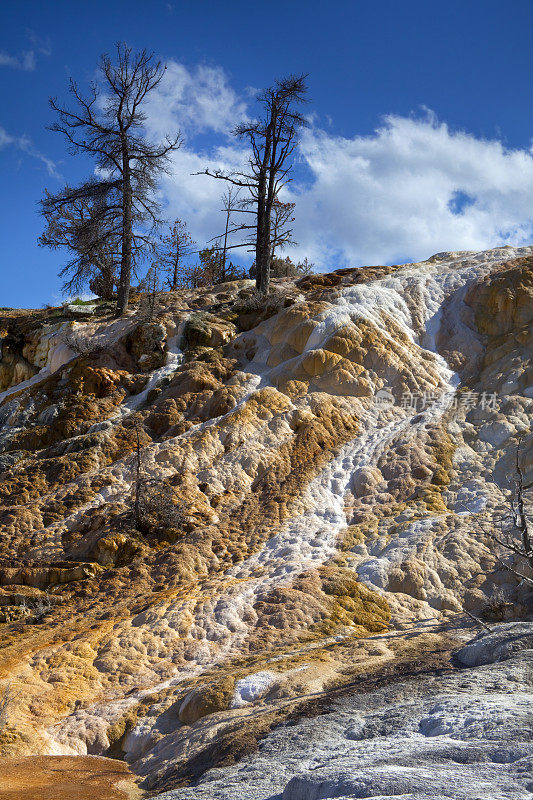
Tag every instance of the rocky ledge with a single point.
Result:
(461, 733)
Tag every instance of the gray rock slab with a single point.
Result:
(466, 735)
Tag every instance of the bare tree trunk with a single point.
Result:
(175, 272)
(263, 275)
(107, 283)
(262, 254)
(225, 248)
(138, 476)
(123, 293)
(519, 513)
(262, 246)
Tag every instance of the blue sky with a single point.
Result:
(420, 119)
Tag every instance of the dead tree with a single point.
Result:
(139, 477)
(513, 530)
(7, 699)
(154, 510)
(229, 200)
(175, 248)
(214, 258)
(151, 286)
(272, 139)
(111, 130)
(515, 533)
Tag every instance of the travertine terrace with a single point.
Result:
(334, 455)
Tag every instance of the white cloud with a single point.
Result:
(5, 138)
(193, 100)
(43, 44)
(390, 196)
(197, 102)
(25, 61)
(196, 199)
(410, 189)
(25, 144)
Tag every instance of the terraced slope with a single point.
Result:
(313, 471)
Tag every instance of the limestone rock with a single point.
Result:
(206, 330)
(146, 344)
(499, 645)
(204, 700)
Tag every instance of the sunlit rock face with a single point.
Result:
(316, 474)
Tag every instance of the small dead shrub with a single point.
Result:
(7, 698)
(156, 511)
(81, 345)
(496, 606)
(273, 302)
(37, 609)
